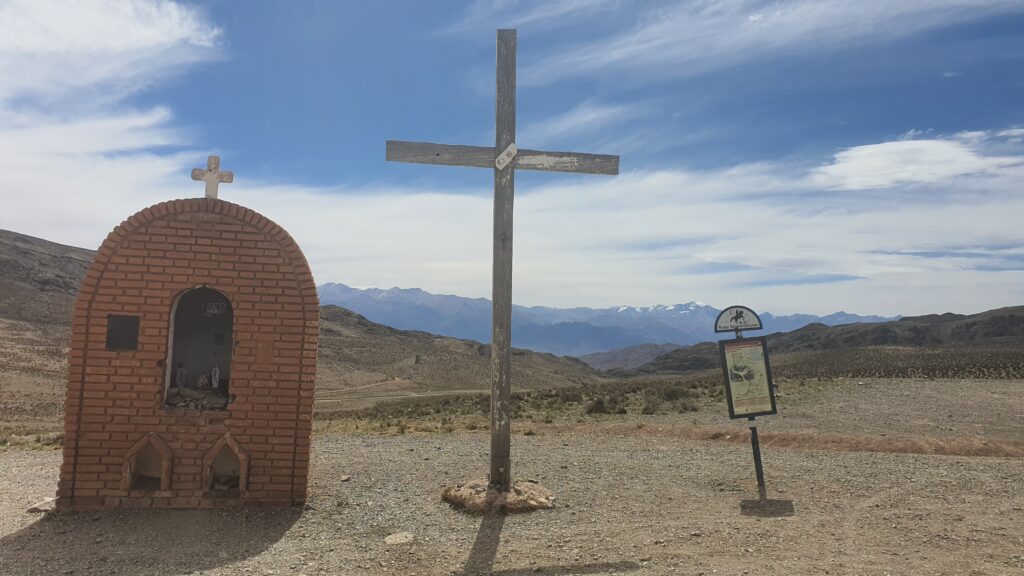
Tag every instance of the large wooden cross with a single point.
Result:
(503, 158)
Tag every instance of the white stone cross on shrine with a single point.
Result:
(504, 159)
(213, 176)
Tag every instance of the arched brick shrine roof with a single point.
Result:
(191, 205)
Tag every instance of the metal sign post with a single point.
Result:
(749, 392)
(762, 491)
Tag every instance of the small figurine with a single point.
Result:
(203, 383)
(180, 378)
(215, 377)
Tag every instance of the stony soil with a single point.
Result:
(626, 503)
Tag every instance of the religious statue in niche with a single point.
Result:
(202, 345)
(180, 377)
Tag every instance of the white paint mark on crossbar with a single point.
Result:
(549, 162)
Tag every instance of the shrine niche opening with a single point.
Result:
(226, 468)
(147, 465)
(199, 355)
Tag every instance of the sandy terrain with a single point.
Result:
(627, 503)
(886, 477)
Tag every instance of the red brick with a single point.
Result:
(114, 398)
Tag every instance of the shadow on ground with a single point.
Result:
(157, 542)
(485, 549)
(767, 508)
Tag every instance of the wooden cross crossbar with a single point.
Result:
(503, 158)
(485, 156)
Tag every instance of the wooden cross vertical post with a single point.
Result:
(504, 158)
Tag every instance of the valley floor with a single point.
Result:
(628, 501)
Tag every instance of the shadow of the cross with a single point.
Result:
(485, 550)
(485, 547)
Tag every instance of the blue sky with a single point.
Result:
(793, 156)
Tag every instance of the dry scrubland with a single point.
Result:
(636, 494)
(898, 461)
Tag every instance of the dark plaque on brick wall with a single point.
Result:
(122, 332)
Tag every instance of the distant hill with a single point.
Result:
(359, 360)
(988, 344)
(39, 279)
(565, 331)
(628, 358)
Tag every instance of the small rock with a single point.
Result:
(398, 538)
(345, 478)
(46, 505)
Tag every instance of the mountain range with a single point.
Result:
(562, 331)
(986, 345)
(359, 362)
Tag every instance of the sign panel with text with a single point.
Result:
(748, 377)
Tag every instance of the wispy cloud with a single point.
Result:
(641, 238)
(586, 119)
(96, 50)
(913, 162)
(490, 14)
(65, 134)
(694, 37)
(985, 258)
(803, 280)
(857, 229)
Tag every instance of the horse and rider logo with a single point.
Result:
(737, 318)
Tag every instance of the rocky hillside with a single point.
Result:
(988, 344)
(629, 357)
(39, 279)
(359, 359)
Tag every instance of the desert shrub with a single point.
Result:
(687, 406)
(597, 406)
(570, 395)
(651, 404)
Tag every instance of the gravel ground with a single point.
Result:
(896, 407)
(627, 503)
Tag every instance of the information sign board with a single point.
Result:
(748, 378)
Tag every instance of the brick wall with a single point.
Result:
(115, 399)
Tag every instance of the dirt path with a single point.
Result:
(627, 503)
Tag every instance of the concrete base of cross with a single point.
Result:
(477, 497)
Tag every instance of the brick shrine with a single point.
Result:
(192, 363)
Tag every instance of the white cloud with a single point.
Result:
(70, 153)
(693, 37)
(52, 50)
(597, 241)
(585, 119)
(70, 177)
(489, 14)
(911, 162)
